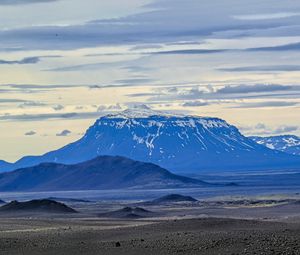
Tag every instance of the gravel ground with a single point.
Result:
(187, 236)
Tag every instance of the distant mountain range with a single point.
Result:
(185, 144)
(287, 143)
(103, 172)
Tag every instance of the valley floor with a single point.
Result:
(188, 236)
(183, 229)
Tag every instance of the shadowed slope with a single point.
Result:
(104, 172)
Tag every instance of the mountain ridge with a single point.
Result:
(176, 142)
(103, 172)
(286, 143)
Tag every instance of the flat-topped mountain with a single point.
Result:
(38, 206)
(103, 172)
(176, 142)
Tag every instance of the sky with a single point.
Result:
(64, 63)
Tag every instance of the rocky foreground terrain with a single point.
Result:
(187, 236)
(245, 226)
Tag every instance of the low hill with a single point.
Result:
(104, 172)
(43, 205)
(128, 212)
(173, 198)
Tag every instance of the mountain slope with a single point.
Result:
(178, 143)
(104, 172)
(287, 143)
(5, 165)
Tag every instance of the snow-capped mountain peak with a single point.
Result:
(144, 112)
(181, 143)
(286, 143)
(132, 113)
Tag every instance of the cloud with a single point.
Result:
(260, 126)
(138, 106)
(267, 16)
(272, 68)
(21, 2)
(58, 107)
(146, 47)
(257, 88)
(44, 86)
(27, 60)
(262, 129)
(102, 108)
(30, 133)
(31, 104)
(226, 92)
(24, 61)
(134, 81)
(162, 21)
(145, 94)
(11, 100)
(188, 52)
(195, 104)
(49, 116)
(286, 47)
(64, 133)
(285, 129)
(271, 104)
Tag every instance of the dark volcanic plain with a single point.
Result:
(211, 227)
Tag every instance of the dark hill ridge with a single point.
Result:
(43, 205)
(129, 212)
(173, 198)
(104, 172)
(69, 200)
(183, 144)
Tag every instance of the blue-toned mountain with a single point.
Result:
(175, 142)
(287, 143)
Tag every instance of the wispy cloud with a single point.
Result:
(58, 107)
(24, 61)
(189, 52)
(21, 2)
(262, 129)
(49, 116)
(11, 100)
(271, 104)
(195, 104)
(271, 68)
(257, 88)
(31, 104)
(267, 16)
(30, 133)
(286, 47)
(228, 92)
(65, 132)
(285, 129)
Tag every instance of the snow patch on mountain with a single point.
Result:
(286, 143)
